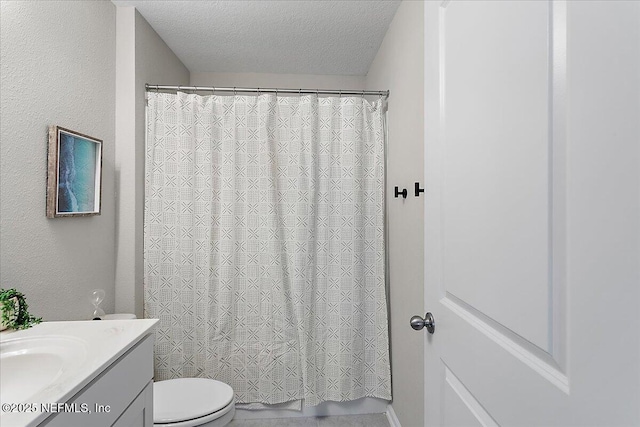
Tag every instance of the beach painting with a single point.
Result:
(74, 174)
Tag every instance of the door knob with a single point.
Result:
(418, 322)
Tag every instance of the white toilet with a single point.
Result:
(191, 402)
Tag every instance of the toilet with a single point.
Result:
(191, 402)
(119, 316)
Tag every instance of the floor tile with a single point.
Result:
(369, 420)
(279, 422)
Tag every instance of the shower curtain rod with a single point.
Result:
(380, 93)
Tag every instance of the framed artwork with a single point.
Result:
(74, 180)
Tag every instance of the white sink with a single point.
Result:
(32, 364)
(51, 362)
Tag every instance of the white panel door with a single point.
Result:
(532, 259)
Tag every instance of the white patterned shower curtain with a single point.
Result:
(264, 244)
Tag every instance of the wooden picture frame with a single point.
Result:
(74, 174)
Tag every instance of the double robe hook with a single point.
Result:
(403, 193)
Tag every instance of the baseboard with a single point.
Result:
(392, 417)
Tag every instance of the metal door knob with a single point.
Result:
(418, 323)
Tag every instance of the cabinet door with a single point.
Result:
(140, 412)
(102, 402)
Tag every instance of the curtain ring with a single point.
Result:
(276, 92)
(362, 94)
(234, 91)
(340, 93)
(259, 92)
(300, 92)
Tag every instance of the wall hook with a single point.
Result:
(403, 193)
(418, 189)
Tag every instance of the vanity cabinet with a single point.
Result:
(119, 396)
(140, 412)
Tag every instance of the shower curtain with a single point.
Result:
(264, 244)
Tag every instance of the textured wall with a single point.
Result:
(57, 67)
(304, 81)
(143, 57)
(398, 66)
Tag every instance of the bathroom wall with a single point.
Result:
(143, 57)
(57, 65)
(304, 81)
(398, 66)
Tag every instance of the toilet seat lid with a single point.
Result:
(185, 399)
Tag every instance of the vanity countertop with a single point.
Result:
(93, 345)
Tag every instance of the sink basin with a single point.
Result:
(32, 364)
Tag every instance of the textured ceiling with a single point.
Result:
(268, 36)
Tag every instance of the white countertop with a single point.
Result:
(104, 342)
